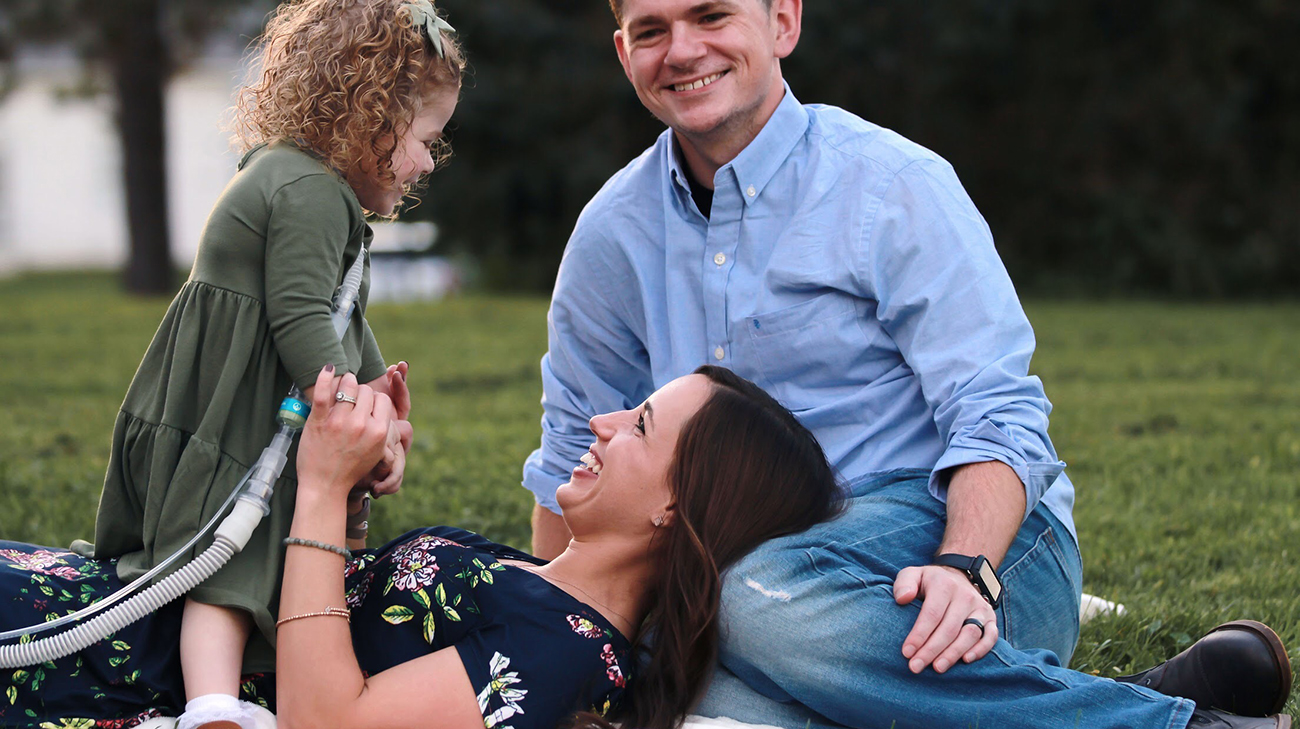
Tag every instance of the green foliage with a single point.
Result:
(546, 117)
(1114, 147)
(1181, 425)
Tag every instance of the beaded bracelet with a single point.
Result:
(290, 541)
(331, 611)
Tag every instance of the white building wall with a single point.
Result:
(61, 197)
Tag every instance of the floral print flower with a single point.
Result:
(67, 573)
(584, 627)
(357, 594)
(500, 687)
(136, 720)
(423, 543)
(356, 564)
(41, 561)
(612, 669)
(415, 571)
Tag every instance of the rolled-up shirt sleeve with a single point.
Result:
(946, 299)
(595, 362)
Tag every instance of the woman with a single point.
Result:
(443, 628)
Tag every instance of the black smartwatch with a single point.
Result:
(980, 572)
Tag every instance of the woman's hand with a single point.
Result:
(343, 441)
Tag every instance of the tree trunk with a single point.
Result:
(140, 67)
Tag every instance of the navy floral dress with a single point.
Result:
(533, 653)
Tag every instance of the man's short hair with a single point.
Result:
(617, 7)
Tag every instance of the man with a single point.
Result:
(845, 270)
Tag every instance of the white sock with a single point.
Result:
(208, 708)
(223, 707)
(257, 717)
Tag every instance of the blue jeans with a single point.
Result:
(812, 637)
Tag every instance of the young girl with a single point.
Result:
(345, 116)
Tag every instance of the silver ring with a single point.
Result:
(342, 396)
(975, 622)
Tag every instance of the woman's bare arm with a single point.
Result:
(319, 683)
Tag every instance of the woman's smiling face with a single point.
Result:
(622, 484)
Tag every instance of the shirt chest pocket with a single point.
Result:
(807, 352)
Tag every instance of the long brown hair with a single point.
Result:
(744, 471)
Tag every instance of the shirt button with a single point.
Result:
(719, 353)
(751, 191)
(720, 258)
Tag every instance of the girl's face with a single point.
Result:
(622, 484)
(413, 157)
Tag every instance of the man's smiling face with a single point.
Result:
(710, 69)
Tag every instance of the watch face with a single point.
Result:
(990, 580)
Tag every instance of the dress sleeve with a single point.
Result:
(948, 303)
(533, 671)
(372, 360)
(306, 237)
(595, 362)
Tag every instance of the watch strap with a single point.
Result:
(971, 566)
(960, 561)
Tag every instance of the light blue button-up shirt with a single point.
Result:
(842, 267)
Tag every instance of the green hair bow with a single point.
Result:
(425, 17)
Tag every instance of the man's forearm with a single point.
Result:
(550, 534)
(986, 505)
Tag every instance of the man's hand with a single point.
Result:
(986, 505)
(939, 637)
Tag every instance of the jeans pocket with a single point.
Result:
(1040, 607)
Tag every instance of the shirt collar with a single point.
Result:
(757, 163)
(676, 166)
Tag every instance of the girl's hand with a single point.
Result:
(400, 394)
(342, 441)
(393, 384)
(387, 475)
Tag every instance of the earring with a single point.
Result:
(659, 520)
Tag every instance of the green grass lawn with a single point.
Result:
(1181, 425)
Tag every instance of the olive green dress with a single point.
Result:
(253, 317)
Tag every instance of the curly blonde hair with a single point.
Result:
(344, 80)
